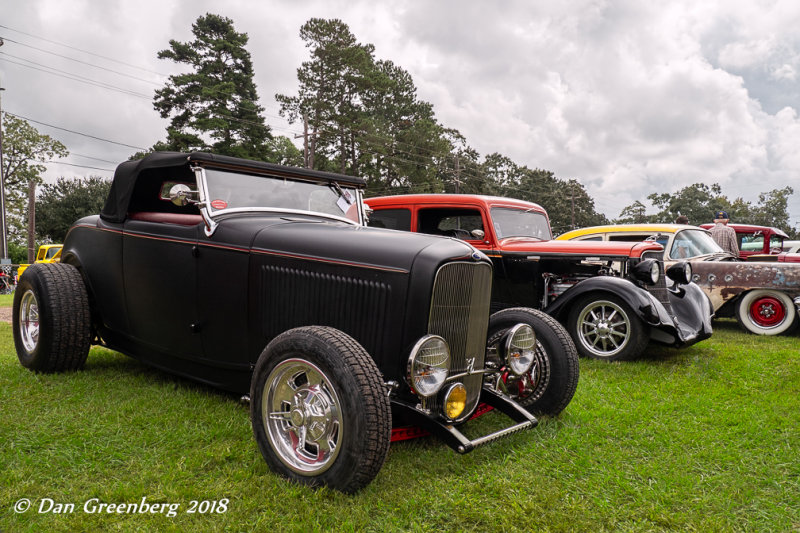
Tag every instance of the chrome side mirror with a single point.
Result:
(180, 195)
(478, 233)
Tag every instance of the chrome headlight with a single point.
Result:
(680, 273)
(520, 347)
(428, 365)
(647, 270)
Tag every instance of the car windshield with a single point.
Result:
(230, 190)
(509, 222)
(693, 243)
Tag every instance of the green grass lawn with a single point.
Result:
(701, 439)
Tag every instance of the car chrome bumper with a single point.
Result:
(457, 440)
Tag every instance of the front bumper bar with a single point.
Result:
(457, 440)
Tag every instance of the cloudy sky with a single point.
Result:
(628, 97)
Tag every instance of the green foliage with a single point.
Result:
(634, 214)
(363, 115)
(699, 202)
(60, 204)
(24, 150)
(284, 152)
(214, 106)
(17, 253)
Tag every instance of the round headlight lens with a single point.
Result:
(654, 272)
(520, 348)
(428, 365)
(455, 401)
(688, 272)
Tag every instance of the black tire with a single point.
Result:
(51, 318)
(298, 377)
(604, 327)
(550, 385)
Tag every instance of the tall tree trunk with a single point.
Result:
(31, 221)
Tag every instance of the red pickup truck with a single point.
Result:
(755, 240)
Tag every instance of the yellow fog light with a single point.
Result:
(455, 401)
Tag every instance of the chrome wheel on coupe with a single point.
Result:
(604, 327)
(302, 416)
(319, 409)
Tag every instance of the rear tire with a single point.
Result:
(551, 383)
(766, 312)
(319, 409)
(51, 318)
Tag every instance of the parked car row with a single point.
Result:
(344, 333)
(613, 298)
(763, 296)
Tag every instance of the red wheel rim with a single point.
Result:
(767, 311)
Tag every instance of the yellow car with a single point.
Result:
(48, 253)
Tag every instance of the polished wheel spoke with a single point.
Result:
(302, 416)
(604, 328)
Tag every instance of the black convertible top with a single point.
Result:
(179, 164)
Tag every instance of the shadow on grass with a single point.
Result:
(106, 362)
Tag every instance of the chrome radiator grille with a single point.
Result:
(460, 314)
(659, 290)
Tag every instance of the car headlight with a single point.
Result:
(648, 271)
(680, 273)
(455, 401)
(520, 348)
(428, 365)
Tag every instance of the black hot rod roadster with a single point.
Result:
(264, 280)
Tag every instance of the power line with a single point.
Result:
(73, 165)
(67, 75)
(79, 61)
(85, 51)
(77, 132)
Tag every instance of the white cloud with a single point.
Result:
(629, 97)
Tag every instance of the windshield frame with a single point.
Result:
(210, 214)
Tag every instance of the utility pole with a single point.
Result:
(458, 175)
(572, 198)
(3, 229)
(308, 161)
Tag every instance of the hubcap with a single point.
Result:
(302, 418)
(767, 312)
(29, 321)
(604, 329)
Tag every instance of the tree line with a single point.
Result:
(360, 116)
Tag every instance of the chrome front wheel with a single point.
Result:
(605, 327)
(319, 409)
(301, 413)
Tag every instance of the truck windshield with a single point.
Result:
(230, 190)
(509, 222)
